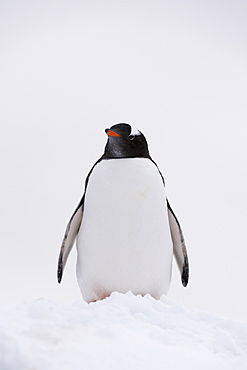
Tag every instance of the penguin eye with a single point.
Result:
(131, 137)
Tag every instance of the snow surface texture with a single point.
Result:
(121, 332)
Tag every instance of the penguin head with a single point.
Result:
(125, 141)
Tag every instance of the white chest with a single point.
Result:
(124, 241)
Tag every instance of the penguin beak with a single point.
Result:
(111, 133)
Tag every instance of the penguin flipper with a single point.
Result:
(69, 238)
(179, 248)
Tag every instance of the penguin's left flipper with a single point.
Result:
(69, 238)
(179, 248)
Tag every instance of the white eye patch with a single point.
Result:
(134, 131)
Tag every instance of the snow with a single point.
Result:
(120, 332)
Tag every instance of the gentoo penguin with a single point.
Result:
(125, 227)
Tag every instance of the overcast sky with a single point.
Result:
(177, 70)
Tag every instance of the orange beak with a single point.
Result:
(111, 133)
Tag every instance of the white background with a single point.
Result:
(177, 70)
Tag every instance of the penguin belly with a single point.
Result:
(124, 242)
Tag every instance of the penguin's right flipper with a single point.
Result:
(69, 238)
(179, 247)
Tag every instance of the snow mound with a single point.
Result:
(121, 332)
